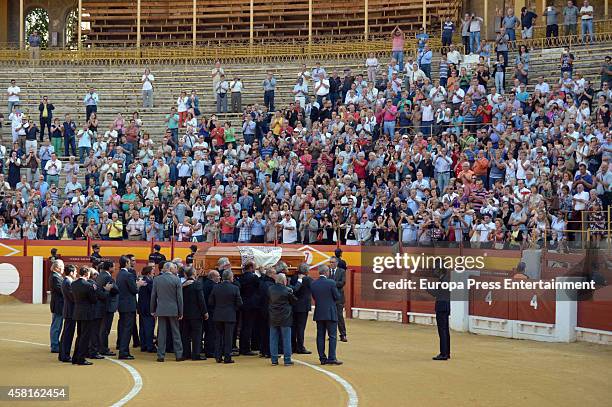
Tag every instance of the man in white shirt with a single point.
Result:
(236, 90)
(321, 88)
(586, 13)
(289, 227)
(53, 168)
(453, 56)
(135, 227)
(580, 198)
(13, 92)
(16, 118)
(363, 230)
(418, 76)
(147, 88)
(542, 86)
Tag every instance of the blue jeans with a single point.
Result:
(269, 100)
(511, 34)
(330, 328)
(55, 330)
(499, 82)
(389, 128)
(587, 27)
(399, 57)
(10, 107)
(426, 68)
(275, 332)
(83, 152)
(442, 178)
(227, 238)
(70, 143)
(474, 41)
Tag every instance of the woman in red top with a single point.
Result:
(218, 133)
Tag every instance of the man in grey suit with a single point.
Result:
(167, 307)
(339, 276)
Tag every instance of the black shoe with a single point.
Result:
(160, 359)
(249, 353)
(109, 353)
(84, 363)
(55, 351)
(323, 362)
(219, 360)
(303, 352)
(67, 360)
(343, 339)
(334, 362)
(274, 363)
(289, 363)
(96, 356)
(198, 358)
(440, 357)
(180, 359)
(127, 357)
(227, 362)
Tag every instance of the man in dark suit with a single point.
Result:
(167, 307)
(132, 269)
(57, 303)
(339, 276)
(442, 308)
(208, 283)
(96, 321)
(280, 306)
(226, 300)
(265, 282)
(128, 288)
(70, 274)
(107, 308)
(195, 312)
(325, 294)
(249, 291)
(84, 293)
(301, 288)
(145, 319)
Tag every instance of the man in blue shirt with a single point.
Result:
(91, 102)
(34, 41)
(425, 61)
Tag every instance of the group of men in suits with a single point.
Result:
(264, 308)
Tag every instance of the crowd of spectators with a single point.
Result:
(478, 152)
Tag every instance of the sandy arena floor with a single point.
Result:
(387, 364)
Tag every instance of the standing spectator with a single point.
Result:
(528, 17)
(325, 294)
(269, 85)
(397, 50)
(448, 29)
(216, 73)
(389, 117)
(172, 123)
(289, 227)
(147, 88)
(236, 89)
(227, 224)
(586, 16)
(167, 307)
(475, 27)
(321, 88)
(91, 101)
(552, 21)
(68, 128)
(570, 18)
(221, 94)
(181, 108)
(280, 302)
(372, 66)
(335, 84)
(46, 116)
(510, 23)
(425, 61)
(567, 62)
(606, 72)
(465, 33)
(13, 93)
(34, 41)
(300, 91)
(501, 45)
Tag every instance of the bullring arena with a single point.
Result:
(270, 147)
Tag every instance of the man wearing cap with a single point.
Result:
(95, 257)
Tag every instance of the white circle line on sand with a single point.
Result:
(31, 324)
(131, 370)
(353, 400)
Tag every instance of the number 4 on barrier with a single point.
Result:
(489, 297)
(534, 302)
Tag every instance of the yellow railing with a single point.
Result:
(242, 51)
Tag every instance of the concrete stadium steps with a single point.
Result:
(119, 86)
